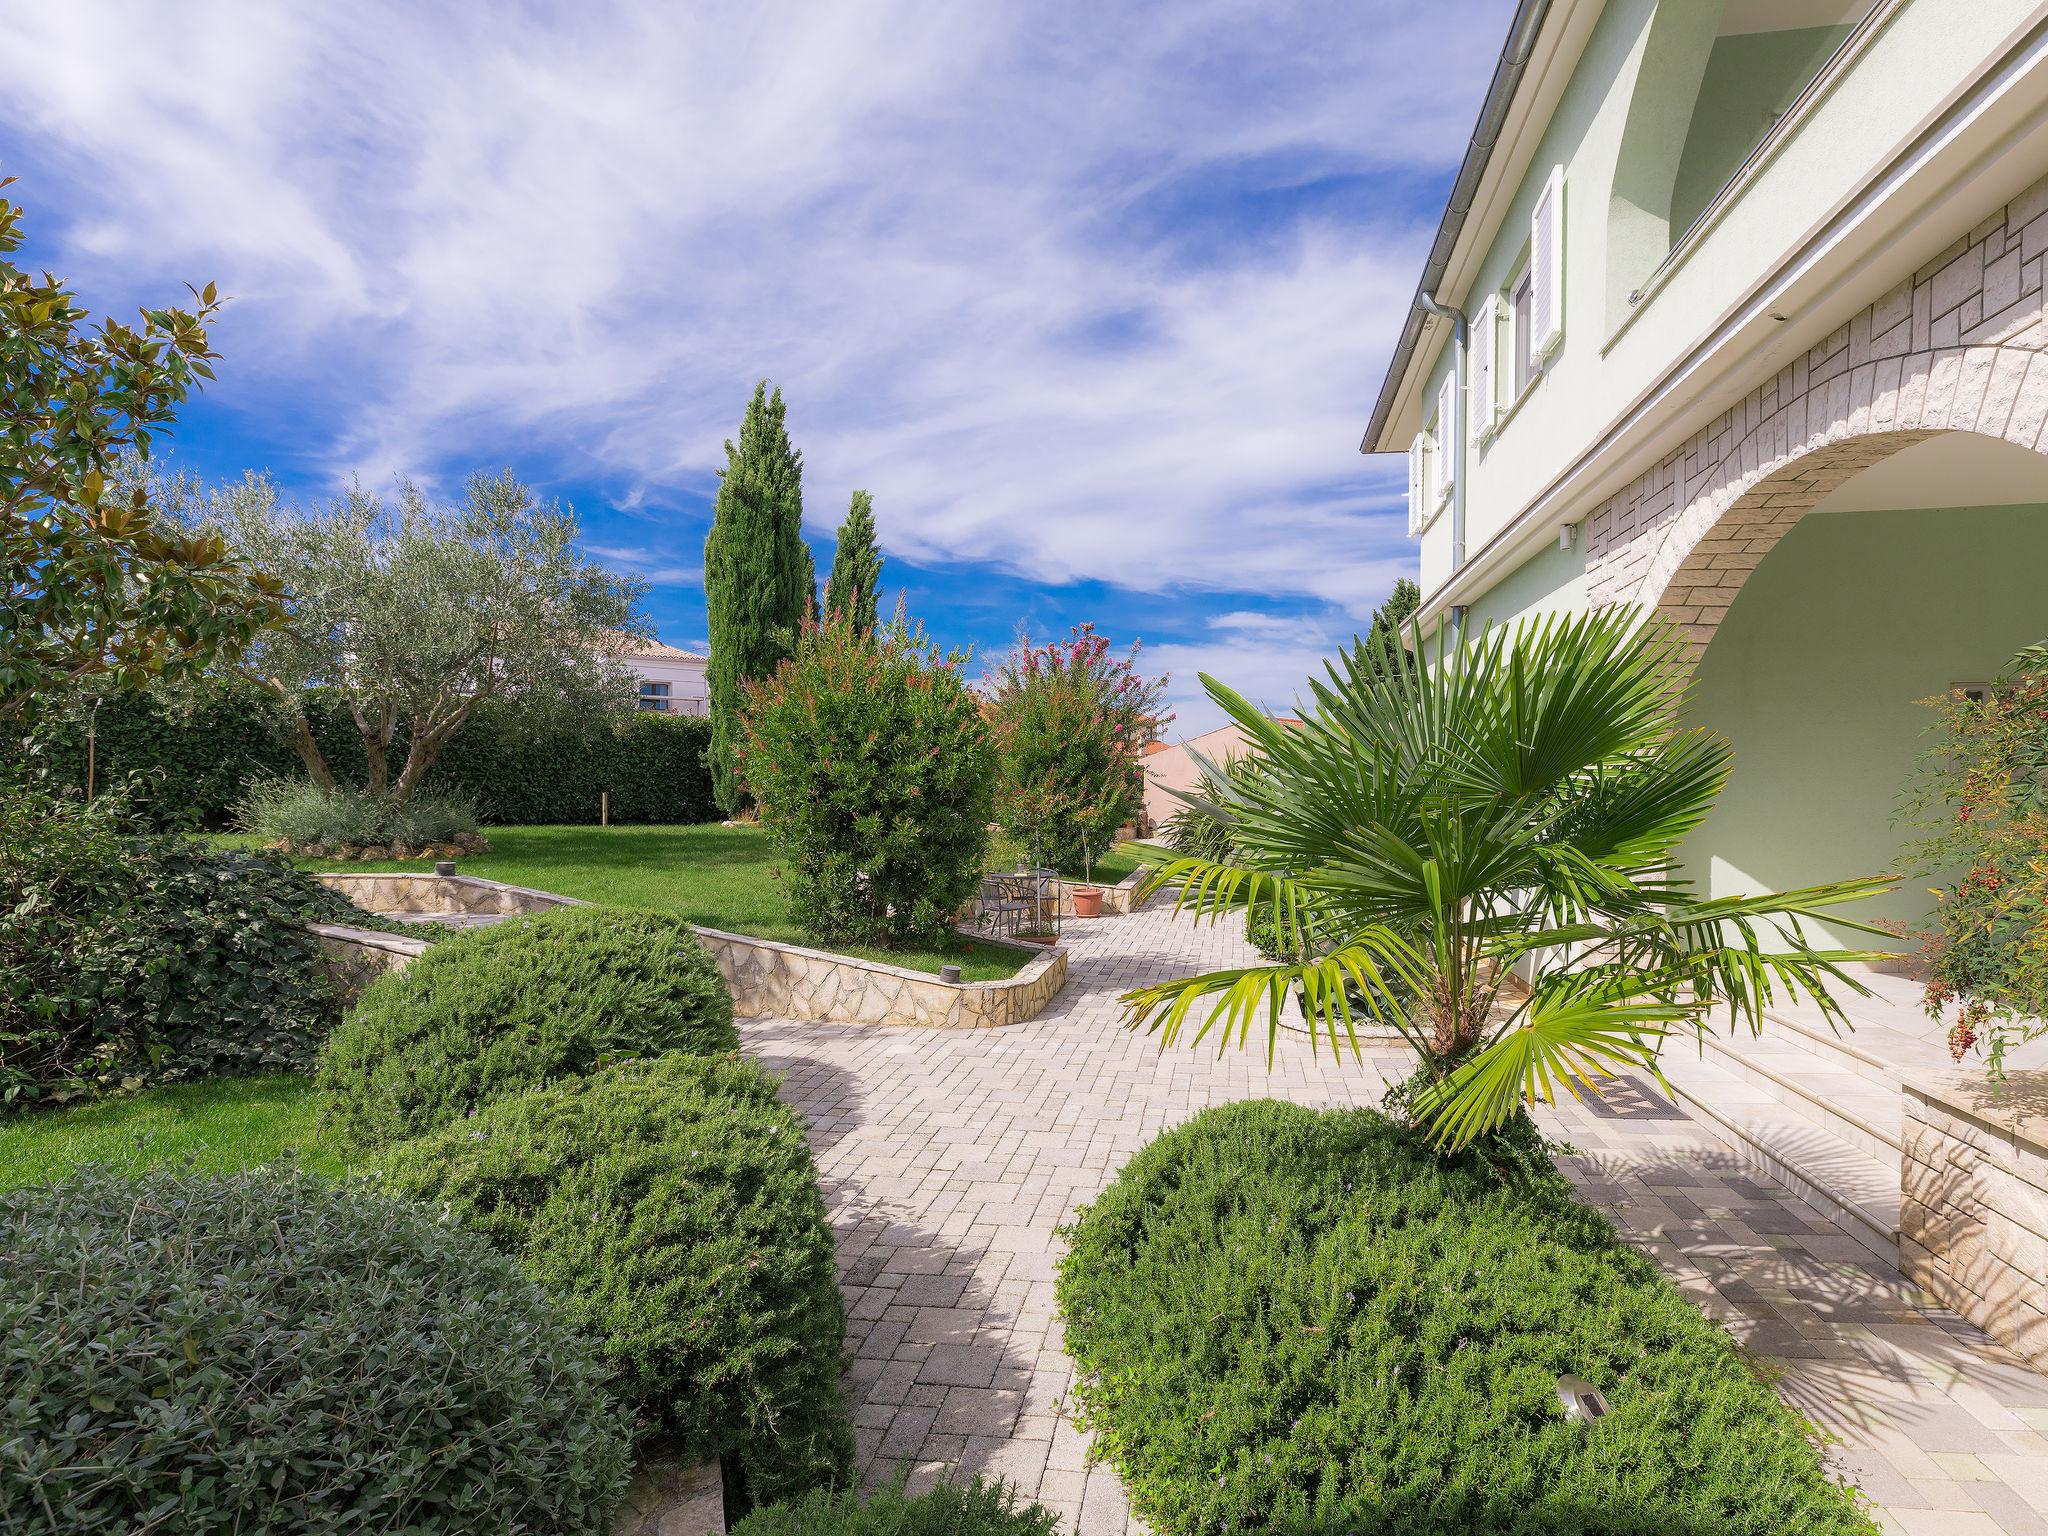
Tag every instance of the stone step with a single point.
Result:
(1840, 1178)
(1868, 1115)
(1872, 1051)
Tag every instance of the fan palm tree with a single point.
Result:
(1478, 852)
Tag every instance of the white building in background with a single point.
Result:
(672, 680)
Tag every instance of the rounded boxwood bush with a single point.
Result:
(1291, 1321)
(527, 1001)
(672, 1209)
(191, 1353)
(974, 1508)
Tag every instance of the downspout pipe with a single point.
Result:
(1461, 339)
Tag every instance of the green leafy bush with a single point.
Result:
(1262, 932)
(130, 959)
(190, 1354)
(871, 765)
(202, 745)
(527, 1001)
(967, 1509)
(1981, 804)
(1300, 1322)
(303, 813)
(672, 1209)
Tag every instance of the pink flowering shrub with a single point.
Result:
(1070, 721)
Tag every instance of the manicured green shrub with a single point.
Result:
(1262, 932)
(302, 813)
(1303, 1322)
(871, 765)
(188, 1354)
(202, 745)
(974, 1508)
(528, 1001)
(130, 959)
(672, 1209)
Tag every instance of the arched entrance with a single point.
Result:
(1924, 420)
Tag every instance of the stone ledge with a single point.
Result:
(671, 1498)
(767, 977)
(2014, 1113)
(441, 894)
(1974, 1206)
(791, 982)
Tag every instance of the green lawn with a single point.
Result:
(221, 1126)
(717, 877)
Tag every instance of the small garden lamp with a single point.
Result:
(1583, 1402)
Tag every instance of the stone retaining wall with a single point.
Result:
(767, 978)
(1973, 1212)
(1117, 899)
(442, 895)
(790, 982)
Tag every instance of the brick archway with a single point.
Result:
(1960, 347)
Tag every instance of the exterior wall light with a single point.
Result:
(1583, 1402)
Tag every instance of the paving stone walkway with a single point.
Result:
(950, 1158)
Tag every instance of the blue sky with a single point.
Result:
(1092, 298)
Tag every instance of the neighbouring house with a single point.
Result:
(1736, 314)
(672, 680)
(1177, 765)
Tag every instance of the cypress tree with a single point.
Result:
(856, 566)
(1388, 635)
(759, 582)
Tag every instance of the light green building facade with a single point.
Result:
(1737, 315)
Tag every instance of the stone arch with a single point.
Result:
(1960, 346)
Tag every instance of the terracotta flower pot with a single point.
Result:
(1087, 900)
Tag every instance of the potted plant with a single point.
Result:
(1087, 895)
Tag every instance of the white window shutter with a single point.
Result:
(1418, 484)
(1546, 267)
(1479, 367)
(1446, 433)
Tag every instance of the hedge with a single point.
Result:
(671, 1207)
(531, 1000)
(1291, 1322)
(191, 1353)
(973, 1508)
(208, 741)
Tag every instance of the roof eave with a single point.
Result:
(1508, 72)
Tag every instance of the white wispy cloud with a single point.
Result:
(1010, 264)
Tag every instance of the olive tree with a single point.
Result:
(415, 614)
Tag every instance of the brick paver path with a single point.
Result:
(949, 1158)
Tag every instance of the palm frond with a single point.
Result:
(1573, 1033)
(1379, 969)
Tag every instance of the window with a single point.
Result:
(1419, 505)
(1521, 367)
(654, 696)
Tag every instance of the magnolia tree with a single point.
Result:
(415, 614)
(100, 590)
(1070, 720)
